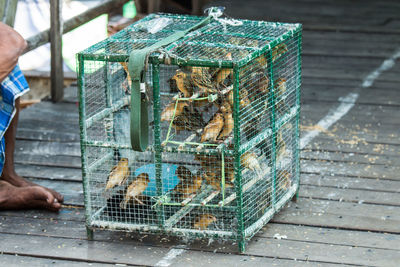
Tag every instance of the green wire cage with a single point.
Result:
(208, 145)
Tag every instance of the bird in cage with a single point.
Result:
(223, 74)
(213, 128)
(182, 82)
(190, 120)
(201, 78)
(203, 221)
(278, 51)
(189, 186)
(169, 111)
(214, 179)
(135, 189)
(249, 160)
(284, 180)
(228, 121)
(118, 175)
(281, 146)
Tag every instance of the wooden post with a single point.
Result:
(57, 72)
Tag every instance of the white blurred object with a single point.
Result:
(33, 16)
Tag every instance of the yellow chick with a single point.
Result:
(213, 128)
(203, 221)
(135, 189)
(182, 84)
(228, 121)
(118, 174)
(249, 160)
(168, 113)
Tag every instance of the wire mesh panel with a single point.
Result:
(224, 104)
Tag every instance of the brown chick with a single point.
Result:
(188, 187)
(278, 51)
(203, 221)
(263, 82)
(224, 73)
(135, 189)
(128, 76)
(280, 87)
(181, 80)
(183, 173)
(214, 180)
(212, 129)
(228, 121)
(281, 146)
(284, 181)
(118, 175)
(244, 98)
(168, 113)
(249, 160)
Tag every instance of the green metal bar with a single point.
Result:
(103, 144)
(238, 174)
(271, 103)
(286, 36)
(297, 150)
(157, 140)
(252, 229)
(100, 162)
(83, 134)
(186, 209)
(223, 175)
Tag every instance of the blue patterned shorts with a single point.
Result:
(12, 87)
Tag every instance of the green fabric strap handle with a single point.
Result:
(139, 102)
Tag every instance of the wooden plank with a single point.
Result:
(57, 69)
(326, 253)
(49, 160)
(201, 258)
(76, 249)
(322, 143)
(18, 260)
(339, 156)
(47, 135)
(49, 172)
(332, 236)
(341, 215)
(47, 148)
(337, 181)
(350, 195)
(351, 169)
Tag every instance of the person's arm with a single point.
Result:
(12, 44)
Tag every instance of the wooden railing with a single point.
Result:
(54, 36)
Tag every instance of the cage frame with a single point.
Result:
(156, 59)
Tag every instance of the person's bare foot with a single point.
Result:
(18, 181)
(31, 197)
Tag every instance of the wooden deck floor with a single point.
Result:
(349, 207)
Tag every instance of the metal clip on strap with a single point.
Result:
(139, 102)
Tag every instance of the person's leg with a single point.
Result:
(9, 175)
(32, 197)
